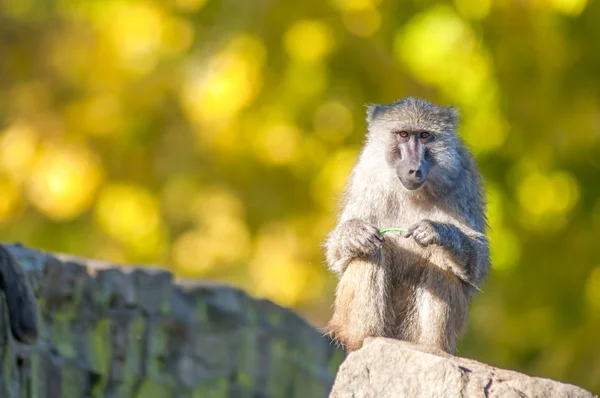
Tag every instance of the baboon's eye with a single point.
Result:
(403, 134)
(425, 134)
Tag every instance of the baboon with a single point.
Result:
(20, 301)
(413, 172)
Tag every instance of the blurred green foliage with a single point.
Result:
(215, 136)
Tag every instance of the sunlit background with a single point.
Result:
(214, 137)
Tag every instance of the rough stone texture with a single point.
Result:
(111, 332)
(390, 368)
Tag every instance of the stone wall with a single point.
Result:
(108, 331)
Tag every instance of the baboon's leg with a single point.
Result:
(440, 310)
(363, 303)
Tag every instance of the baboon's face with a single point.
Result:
(419, 142)
(411, 157)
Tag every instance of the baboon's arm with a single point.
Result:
(21, 303)
(333, 255)
(354, 238)
(468, 249)
(337, 259)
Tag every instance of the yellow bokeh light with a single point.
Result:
(190, 5)
(220, 242)
(567, 191)
(227, 83)
(177, 197)
(546, 200)
(178, 36)
(221, 236)
(130, 214)
(505, 248)
(362, 23)
(136, 31)
(286, 282)
(479, 76)
(356, 5)
(193, 253)
(18, 145)
(10, 198)
(484, 131)
(277, 270)
(315, 229)
(430, 43)
(333, 122)
(592, 288)
(495, 206)
(64, 181)
(315, 150)
(329, 184)
(541, 194)
(306, 79)
(227, 137)
(110, 251)
(536, 194)
(277, 144)
(278, 241)
(473, 9)
(569, 7)
(101, 115)
(308, 40)
(231, 239)
(217, 201)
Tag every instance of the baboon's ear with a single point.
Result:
(372, 111)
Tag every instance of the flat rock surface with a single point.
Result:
(391, 368)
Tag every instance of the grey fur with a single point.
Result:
(415, 286)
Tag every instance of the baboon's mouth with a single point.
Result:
(412, 185)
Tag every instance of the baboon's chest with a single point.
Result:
(408, 256)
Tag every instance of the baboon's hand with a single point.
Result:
(424, 233)
(359, 238)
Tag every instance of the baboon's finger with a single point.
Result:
(379, 236)
(373, 230)
(360, 243)
(375, 243)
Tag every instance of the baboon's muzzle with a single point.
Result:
(412, 169)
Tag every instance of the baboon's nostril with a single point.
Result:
(411, 171)
(418, 173)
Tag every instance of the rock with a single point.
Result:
(392, 368)
(109, 330)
